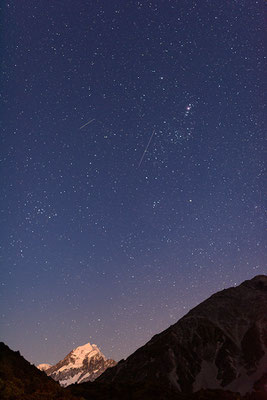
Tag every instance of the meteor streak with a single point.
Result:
(141, 160)
(87, 123)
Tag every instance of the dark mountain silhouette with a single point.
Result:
(219, 345)
(215, 351)
(19, 380)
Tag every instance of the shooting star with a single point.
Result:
(87, 123)
(141, 160)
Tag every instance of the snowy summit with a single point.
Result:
(84, 363)
(44, 367)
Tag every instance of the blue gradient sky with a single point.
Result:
(102, 241)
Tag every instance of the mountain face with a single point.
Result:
(19, 380)
(85, 363)
(220, 344)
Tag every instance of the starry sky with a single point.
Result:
(131, 166)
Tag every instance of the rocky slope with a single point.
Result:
(220, 344)
(85, 363)
(19, 380)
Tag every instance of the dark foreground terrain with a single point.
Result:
(100, 391)
(227, 332)
(19, 380)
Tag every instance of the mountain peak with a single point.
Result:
(258, 282)
(84, 363)
(85, 351)
(44, 366)
(85, 347)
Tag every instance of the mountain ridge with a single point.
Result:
(221, 340)
(214, 339)
(20, 380)
(82, 364)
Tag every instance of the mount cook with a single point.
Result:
(84, 363)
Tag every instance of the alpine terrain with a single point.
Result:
(85, 363)
(19, 380)
(220, 344)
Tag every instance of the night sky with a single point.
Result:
(132, 166)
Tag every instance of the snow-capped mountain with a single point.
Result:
(220, 344)
(44, 367)
(85, 363)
